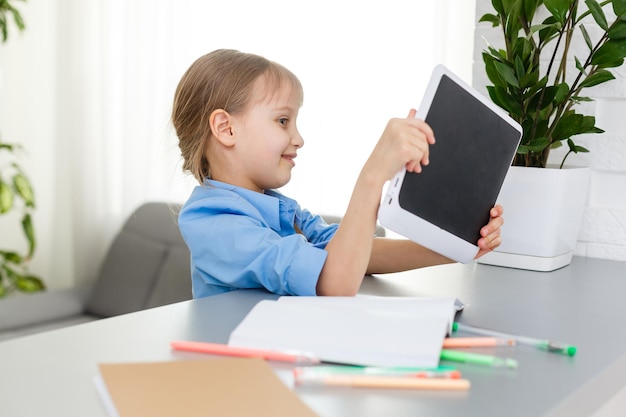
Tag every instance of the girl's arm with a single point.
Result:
(397, 255)
(404, 143)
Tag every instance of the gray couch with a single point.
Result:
(146, 266)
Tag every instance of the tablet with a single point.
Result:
(444, 207)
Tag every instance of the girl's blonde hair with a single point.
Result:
(222, 79)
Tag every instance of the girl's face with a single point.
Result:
(266, 138)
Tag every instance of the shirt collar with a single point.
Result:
(272, 205)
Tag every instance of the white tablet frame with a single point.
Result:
(395, 218)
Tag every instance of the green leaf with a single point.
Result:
(599, 77)
(27, 226)
(561, 93)
(490, 18)
(586, 37)
(598, 14)
(491, 71)
(611, 52)
(572, 124)
(575, 148)
(12, 257)
(618, 30)
(500, 96)
(552, 28)
(24, 189)
(558, 9)
(497, 5)
(506, 73)
(29, 283)
(538, 145)
(529, 80)
(6, 197)
(579, 66)
(619, 7)
(530, 8)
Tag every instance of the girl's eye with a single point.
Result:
(283, 121)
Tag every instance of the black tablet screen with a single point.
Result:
(473, 150)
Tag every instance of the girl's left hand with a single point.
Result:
(491, 232)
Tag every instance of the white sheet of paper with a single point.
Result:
(348, 330)
(421, 306)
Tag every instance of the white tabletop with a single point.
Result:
(51, 373)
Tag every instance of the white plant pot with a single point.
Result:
(543, 211)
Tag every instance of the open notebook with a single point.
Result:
(362, 330)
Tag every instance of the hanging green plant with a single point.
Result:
(16, 197)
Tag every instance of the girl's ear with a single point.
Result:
(221, 127)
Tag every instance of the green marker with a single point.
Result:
(547, 345)
(477, 358)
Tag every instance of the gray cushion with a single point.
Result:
(147, 264)
(174, 281)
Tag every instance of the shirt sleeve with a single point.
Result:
(232, 249)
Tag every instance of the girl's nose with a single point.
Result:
(298, 141)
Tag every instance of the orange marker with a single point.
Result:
(221, 349)
(461, 342)
(390, 382)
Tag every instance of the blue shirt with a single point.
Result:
(244, 239)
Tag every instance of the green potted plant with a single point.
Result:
(16, 197)
(551, 52)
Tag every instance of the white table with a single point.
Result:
(50, 374)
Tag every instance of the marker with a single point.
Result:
(415, 372)
(393, 382)
(548, 345)
(477, 358)
(270, 355)
(461, 342)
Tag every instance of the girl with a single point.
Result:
(235, 116)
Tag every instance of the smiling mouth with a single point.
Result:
(290, 159)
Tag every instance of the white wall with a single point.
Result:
(88, 89)
(603, 233)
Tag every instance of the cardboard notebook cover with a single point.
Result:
(225, 387)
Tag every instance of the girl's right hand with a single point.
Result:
(404, 143)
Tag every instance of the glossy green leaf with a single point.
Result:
(558, 9)
(538, 145)
(6, 197)
(500, 96)
(599, 77)
(29, 284)
(498, 6)
(530, 8)
(24, 189)
(506, 73)
(586, 37)
(27, 226)
(490, 18)
(552, 28)
(561, 92)
(611, 52)
(619, 7)
(618, 30)
(598, 14)
(11, 256)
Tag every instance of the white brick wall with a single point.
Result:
(603, 232)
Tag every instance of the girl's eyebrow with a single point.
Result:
(289, 109)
